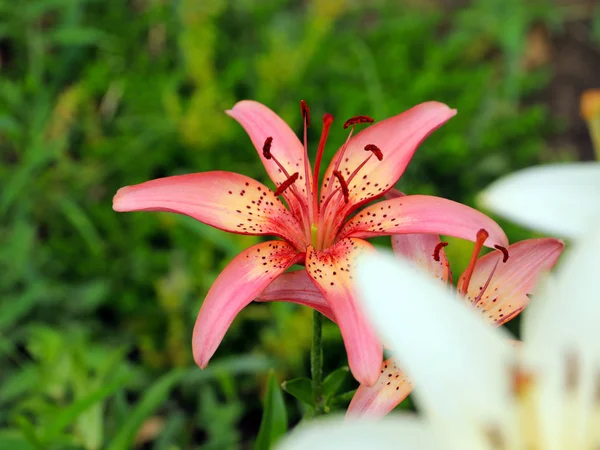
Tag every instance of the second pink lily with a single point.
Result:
(314, 228)
(497, 285)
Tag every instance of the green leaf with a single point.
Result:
(69, 414)
(274, 419)
(29, 431)
(301, 388)
(152, 399)
(334, 381)
(240, 364)
(14, 440)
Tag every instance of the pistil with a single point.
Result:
(327, 121)
(305, 110)
(463, 283)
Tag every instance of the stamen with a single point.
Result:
(463, 283)
(286, 184)
(485, 286)
(375, 150)
(572, 372)
(522, 381)
(438, 249)
(267, 148)
(358, 119)
(305, 110)
(343, 185)
(504, 252)
(327, 121)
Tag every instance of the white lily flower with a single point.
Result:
(560, 199)
(475, 389)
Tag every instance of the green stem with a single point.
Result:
(316, 362)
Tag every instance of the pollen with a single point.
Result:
(267, 148)
(305, 110)
(438, 249)
(343, 185)
(286, 184)
(504, 252)
(375, 150)
(358, 119)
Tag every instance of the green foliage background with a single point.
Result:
(96, 308)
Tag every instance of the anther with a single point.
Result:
(358, 119)
(572, 372)
(267, 148)
(504, 252)
(305, 110)
(375, 150)
(522, 381)
(343, 185)
(286, 184)
(438, 249)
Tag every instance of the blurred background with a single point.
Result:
(97, 308)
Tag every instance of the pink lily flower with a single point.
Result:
(313, 229)
(497, 285)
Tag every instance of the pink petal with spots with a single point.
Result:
(260, 123)
(296, 287)
(420, 249)
(388, 392)
(332, 271)
(397, 137)
(506, 294)
(422, 214)
(239, 283)
(225, 200)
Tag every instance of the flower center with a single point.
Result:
(312, 212)
(574, 401)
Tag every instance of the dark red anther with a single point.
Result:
(305, 110)
(438, 249)
(343, 185)
(504, 252)
(373, 148)
(358, 119)
(267, 148)
(286, 184)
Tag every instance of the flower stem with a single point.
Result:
(316, 362)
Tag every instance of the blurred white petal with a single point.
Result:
(563, 342)
(458, 363)
(568, 317)
(560, 199)
(392, 432)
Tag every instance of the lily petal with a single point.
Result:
(235, 287)
(332, 271)
(260, 123)
(563, 345)
(506, 295)
(376, 401)
(423, 214)
(225, 200)
(420, 248)
(296, 287)
(402, 431)
(567, 321)
(560, 199)
(457, 362)
(397, 137)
